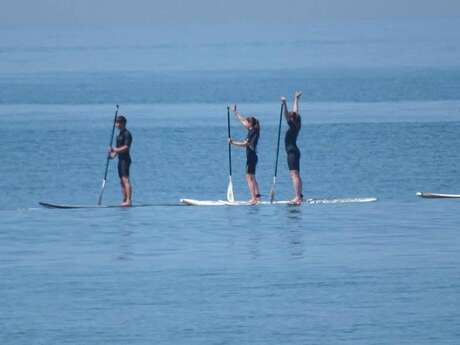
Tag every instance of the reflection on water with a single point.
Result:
(295, 231)
(125, 224)
(254, 242)
(296, 244)
(294, 212)
(125, 246)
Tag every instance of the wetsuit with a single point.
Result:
(124, 159)
(251, 150)
(290, 141)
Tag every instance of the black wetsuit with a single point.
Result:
(124, 159)
(251, 150)
(290, 141)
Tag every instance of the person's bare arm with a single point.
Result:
(243, 143)
(296, 105)
(244, 121)
(120, 149)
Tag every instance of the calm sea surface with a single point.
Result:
(381, 118)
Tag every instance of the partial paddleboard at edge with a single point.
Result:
(428, 195)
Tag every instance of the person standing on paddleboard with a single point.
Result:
(124, 141)
(250, 143)
(290, 140)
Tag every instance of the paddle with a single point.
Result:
(272, 190)
(230, 196)
(99, 200)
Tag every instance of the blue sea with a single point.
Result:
(381, 118)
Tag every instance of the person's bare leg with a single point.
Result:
(255, 186)
(297, 183)
(123, 189)
(252, 189)
(128, 191)
(296, 104)
(256, 189)
(249, 181)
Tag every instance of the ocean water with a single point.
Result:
(381, 117)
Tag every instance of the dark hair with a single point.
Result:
(295, 117)
(121, 119)
(254, 123)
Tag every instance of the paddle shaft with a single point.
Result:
(278, 144)
(108, 157)
(229, 145)
(110, 143)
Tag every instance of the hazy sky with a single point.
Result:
(74, 12)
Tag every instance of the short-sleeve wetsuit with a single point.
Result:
(290, 140)
(251, 150)
(124, 159)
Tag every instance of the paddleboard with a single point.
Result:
(67, 206)
(193, 202)
(438, 195)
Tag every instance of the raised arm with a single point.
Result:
(296, 105)
(244, 121)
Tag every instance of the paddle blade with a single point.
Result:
(272, 191)
(272, 194)
(230, 196)
(99, 200)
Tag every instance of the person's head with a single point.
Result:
(293, 115)
(121, 122)
(254, 123)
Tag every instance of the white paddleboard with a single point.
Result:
(438, 195)
(194, 202)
